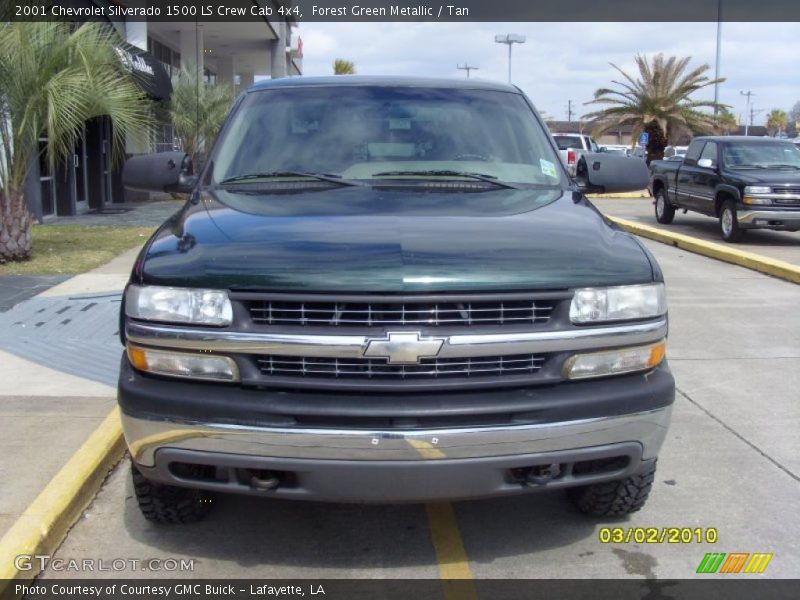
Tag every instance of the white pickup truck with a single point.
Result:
(572, 145)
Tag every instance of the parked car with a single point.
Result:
(745, 182)
(571, 146)
(391, 290)
(672, 151)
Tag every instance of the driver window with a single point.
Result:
(710, 152)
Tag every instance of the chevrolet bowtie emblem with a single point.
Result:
(403, 348)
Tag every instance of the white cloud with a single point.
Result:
(565, 61)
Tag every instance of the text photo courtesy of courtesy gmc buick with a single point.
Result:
(390, 290)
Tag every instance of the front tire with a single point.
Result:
(665, 212)
(615, 498)
(729, 223)
(161, 503)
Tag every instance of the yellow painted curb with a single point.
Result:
(749, 260)
(44, 524)
(639, 194)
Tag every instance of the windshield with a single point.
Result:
(375, 133)
(761, 155)
(568, 142)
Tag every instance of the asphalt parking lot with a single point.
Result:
(731, 462)
(783, 245)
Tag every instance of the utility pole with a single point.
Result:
(748, 93)
(467, 68)
(510, 39)
(569, 111)
(719, 48)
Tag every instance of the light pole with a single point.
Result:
(509, 39)
(748, 93)
(466, 67)
(716, 63)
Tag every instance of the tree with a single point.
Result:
(343, 67)
(794, 114)
(53, 78)
(726, 122)
(658, 102)
(197, 111)
(776, 120)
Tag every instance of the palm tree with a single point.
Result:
(197, 111)
(777, 120)
(726, 121)
(658, 102)
(343, 67)
(53, 78)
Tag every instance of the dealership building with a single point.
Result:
(227, 53)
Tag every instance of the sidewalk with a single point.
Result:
(59, 357)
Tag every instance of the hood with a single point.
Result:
(771, 177)
(380, 240)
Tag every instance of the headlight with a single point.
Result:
(178, 305)
(757, 189)
(183, 364)
(622, 303)
(614, 362)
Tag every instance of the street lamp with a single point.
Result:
(510, 39)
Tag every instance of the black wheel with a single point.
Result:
(729, 223)
(615, 498)
(162, 503)
(665, 212)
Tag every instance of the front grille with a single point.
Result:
(392, 314)
(379, 369)
(786, 190)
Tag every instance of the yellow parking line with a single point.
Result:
(44, 524)
(454, 570)
(749, 260)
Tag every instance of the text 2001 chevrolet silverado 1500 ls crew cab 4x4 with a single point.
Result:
(389, 290)
(745, 182)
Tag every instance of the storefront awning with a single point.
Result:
(147, 71)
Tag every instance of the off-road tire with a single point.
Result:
(665, 212)
(162, 503)
(731, 233)
(615, 498)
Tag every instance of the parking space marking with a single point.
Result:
(457, 578)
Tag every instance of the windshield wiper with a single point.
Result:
(275, 174)
(446, 173)
(783, 166)
(748, 167)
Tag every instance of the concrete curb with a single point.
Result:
(749, 260)
(45, 523)
(629, 195)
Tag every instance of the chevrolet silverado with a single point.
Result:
(391, 290)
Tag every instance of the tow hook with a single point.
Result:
(264, 481)
(542, 474)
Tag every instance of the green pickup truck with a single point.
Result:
(390, 290)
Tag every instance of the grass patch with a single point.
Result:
(75, 249)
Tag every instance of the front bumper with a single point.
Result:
(769, 219)
(593, 431)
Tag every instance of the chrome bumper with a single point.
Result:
(789, 218)
(145, 437)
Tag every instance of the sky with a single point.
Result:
(567, 61)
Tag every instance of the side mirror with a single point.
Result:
(611, 173)
(705, 163)
(160, 172)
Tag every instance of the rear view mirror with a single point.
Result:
(160, 172)
(611, 173)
